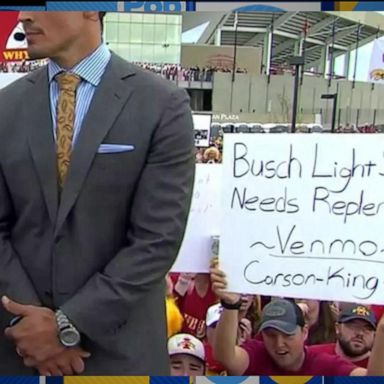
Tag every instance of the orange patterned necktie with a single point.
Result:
(65, 118)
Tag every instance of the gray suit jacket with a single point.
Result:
(102, 253)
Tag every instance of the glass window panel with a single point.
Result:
(135, 53)
(136, 17)
(147, 53)
(148, 31)
(136, 33)
(173, 34)
(160, 34)
(172, 54)
(149, 18)
(111, 16)
(159, 54)
(161, 19)
(124, 17)
(124, 32)
(173, 19)
(111, 32)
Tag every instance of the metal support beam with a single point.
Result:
(283, 46)
(218, 37)
(276, 25)
(347, 61)
(323, 60)
(366, 40)
(215, 24)
(307, 51)
(320, 26)
(267, 52)
(244, 29)
(342, 33)
(308, 39)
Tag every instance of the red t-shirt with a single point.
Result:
(212, 366)
(315, 364)
(331, 350)
(194, 310)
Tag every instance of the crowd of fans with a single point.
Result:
(352, 128)
(218, 333)
(21, 67)
(173, 72)
(177, 72)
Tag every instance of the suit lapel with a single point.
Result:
(109, 98)
(40, 138)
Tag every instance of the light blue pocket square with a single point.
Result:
(115, 148)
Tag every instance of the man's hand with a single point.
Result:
(68, 362)
(35, 335)
(219, 284)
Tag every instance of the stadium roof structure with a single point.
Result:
(313, 31)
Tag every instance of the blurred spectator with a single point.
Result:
(249, 315)
(320, 321)
(21, 67)
(174, 317)
(355, 335)
(177, 72)
(199, 155)
(194, 296)
(212, 155)
(213, 368)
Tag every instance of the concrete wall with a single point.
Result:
(272, 102)
(249, 58)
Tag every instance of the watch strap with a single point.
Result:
(232, 306)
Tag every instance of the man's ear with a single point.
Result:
(305, 332)
(91, 15)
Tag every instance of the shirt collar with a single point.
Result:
(91, 68)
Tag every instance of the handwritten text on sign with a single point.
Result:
(303, 216)
(203, 221)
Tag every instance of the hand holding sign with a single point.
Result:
(219, 284)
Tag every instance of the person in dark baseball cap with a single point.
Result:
(357, 312)
(283, 315)
(355, 333)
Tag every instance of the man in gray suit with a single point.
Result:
(96, 175)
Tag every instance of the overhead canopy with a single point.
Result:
(288, 28)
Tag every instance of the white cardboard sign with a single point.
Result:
(303, 216)
(203, 222)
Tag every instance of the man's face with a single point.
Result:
(355, 337)
(49, 34)
(286, 350)
(186, 365)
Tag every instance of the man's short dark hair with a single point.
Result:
(101, 17)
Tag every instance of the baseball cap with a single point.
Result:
(213, 314)
(283, 315)
(357, 312)
(185, 344)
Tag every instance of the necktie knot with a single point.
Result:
(67, 81)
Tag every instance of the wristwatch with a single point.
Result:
(68, 335)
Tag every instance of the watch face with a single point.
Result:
(70, 337)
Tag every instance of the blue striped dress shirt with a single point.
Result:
(91, 70)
